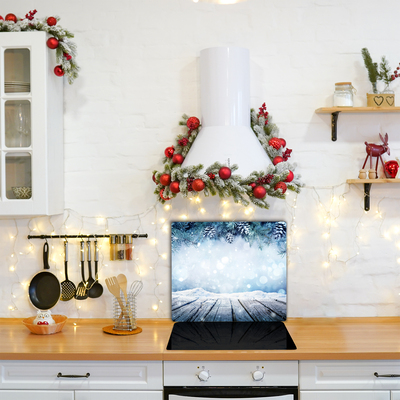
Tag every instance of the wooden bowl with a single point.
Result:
(60, 321)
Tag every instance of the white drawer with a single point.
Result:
(349, 375)
(231, 373)
(35, 395)
(345, 395)
(118, 395)
(122, 375)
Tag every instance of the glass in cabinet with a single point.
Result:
(31, 126)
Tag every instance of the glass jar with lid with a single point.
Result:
(343, 95)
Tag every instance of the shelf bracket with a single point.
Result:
(367, 191)
(335, 117)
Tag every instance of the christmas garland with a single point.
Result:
(65, 48)
(218, 178)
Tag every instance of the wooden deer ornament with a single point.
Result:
(376, 150)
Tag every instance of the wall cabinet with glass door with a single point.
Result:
(31, 127)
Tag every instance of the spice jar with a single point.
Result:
(113, 247)
(120, 247)
(128, 247)
(343, 95)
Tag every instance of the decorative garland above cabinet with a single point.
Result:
(31, 128)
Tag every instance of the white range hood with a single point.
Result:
(226, 135)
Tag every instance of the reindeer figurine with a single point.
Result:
(376, 150)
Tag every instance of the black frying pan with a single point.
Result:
(45, 288)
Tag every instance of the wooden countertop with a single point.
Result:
(315, 338)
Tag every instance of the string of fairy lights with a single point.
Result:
(150, 254)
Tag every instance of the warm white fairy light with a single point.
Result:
(184, 217)
(167, 207)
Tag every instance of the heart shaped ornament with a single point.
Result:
(391, 168)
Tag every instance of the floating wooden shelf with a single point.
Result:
(335, 111)
(367, 187)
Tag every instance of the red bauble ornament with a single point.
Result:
(177, 159)
(169, 151)
(1, 18)
(289, 177)
(193, 123)
(198, 185)
(259, 192)
(11, 17)
(52, 43)
(283, 142)
(281, 185)
(277, 160)
(161, 195)
(58, 70)
(275, 143)
(165, 179)
(225, 173)
(154, 179)
(174, 187)
(253, 185)
(51, 21)
(67, 56)
(391, 168)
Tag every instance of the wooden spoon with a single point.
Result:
(123, 284)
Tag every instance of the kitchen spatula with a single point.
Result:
(115, 289)
(68, 288)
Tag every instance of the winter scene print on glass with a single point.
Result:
(228, 271)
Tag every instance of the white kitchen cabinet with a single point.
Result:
(31, 127)
(345, 380)
(91, 380)
(35, 395)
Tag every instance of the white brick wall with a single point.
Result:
(139, 74)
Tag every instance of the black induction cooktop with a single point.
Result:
(230, 336)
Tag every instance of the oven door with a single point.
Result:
(227, 393)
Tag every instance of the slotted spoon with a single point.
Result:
(68, 288)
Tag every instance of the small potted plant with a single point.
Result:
(377, 73)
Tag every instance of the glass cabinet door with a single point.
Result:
(18, 176)
(17, 67)
(17, 123)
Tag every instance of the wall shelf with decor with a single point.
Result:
(31, 128)
(335, 111)
(367, 187)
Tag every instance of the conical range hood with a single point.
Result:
(226, 135)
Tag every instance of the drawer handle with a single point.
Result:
(386, 376)
(60, 375)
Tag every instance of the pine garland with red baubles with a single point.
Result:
(60, 40)
(219, 178)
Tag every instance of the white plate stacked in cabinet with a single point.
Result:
(48, 380)
(349, 380)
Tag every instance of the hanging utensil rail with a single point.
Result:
(134, 236)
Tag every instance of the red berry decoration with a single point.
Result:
(169, 151)
(275, 143)
(193, 123)
(259, 192)
(211, 175)
(183, 142)
(177, 159)
(283, 142)
(52, 43)
(253, 185)
(289, 177)
(277, 160)
(58, 70)
(198, 185)
(165, 179)
(161, 195)
(174, 187)
(281, 185)
(51, 21)
(11, 17)
(67, 56)
(225, 173)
